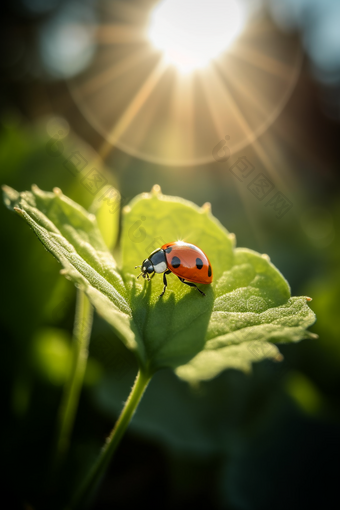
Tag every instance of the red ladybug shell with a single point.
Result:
(188, 261)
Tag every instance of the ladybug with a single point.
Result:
(186, 261)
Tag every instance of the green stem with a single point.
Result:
(98, 470)
(69, 403)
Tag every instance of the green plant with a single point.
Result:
(245, 313)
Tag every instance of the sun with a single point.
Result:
(222, 74)
(191, 33)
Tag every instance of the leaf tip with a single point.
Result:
(232, 238)
(265, 257)
(18, 210)
(278, 358)
(66, 273)
(57, 192)
(206, 208)
(309, 298)
(156, 190)
(126, 209)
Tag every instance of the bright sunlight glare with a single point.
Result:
(192, 32)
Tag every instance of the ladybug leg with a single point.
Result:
(164, 281)
(149, 277)
(191, 285)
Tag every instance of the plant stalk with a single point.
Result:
(69, 403)
(94, 477)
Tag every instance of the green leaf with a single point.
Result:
(71, 234)
(162, 219)
(174, 327)
(252, 307)
(247, 306)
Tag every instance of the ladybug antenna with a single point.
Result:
(140, 274)
(137, 266)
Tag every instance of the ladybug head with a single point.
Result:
(147, 269)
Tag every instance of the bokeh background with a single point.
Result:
(266, 440)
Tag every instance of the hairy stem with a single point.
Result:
(91, 482)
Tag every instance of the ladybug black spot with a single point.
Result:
(209, 271)
(175, 262)
(168, 250)
(199, 263)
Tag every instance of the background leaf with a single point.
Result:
(106, 209)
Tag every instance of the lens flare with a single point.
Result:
(166, 114)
